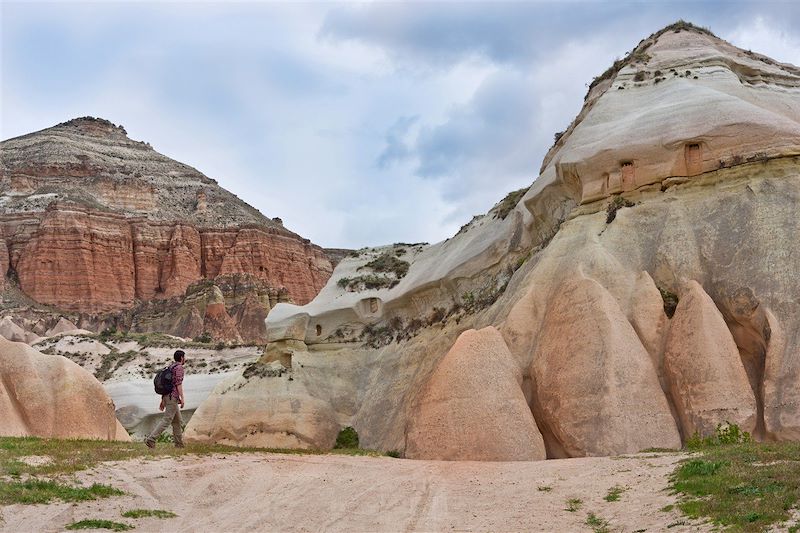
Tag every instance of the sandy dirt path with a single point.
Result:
(273, 492)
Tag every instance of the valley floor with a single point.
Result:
(277, 492)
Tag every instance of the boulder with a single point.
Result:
(50, 396)
(472, 407)
(702, 365)
(595, 383)
(265, 410)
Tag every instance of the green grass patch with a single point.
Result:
(598, 525)
(100, 524)
(573, 504)
(68, 456)
(148, 513)
(614, 493)
(745, 486)
(43, 491)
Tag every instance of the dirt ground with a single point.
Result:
(275, 492)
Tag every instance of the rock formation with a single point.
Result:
(677, 183)
(704, 368)
(94, 222)
(50, 396)
(596, 387)
(473, 408)
(239, 413)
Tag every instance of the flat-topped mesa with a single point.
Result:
(683, 103)
(93, 222)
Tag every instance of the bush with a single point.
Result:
(204, 337)
(670, 301)
(347, 439)
(725, 434)
(616, 204)
(508, 203)
(386, 262)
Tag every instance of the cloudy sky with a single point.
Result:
(358, 124)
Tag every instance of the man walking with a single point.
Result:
(171, 404)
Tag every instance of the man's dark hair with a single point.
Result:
(179, 354)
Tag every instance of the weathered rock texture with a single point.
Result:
(239, 413)
(596, 386)
(681, 170)
(473, 408)
(704, 368)
(50, 396)
(91, 222)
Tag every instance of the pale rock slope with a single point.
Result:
(678, 180)
(50, 396)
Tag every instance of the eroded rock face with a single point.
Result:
(11, 331)
(62, 326)
(50, 396)
(473, 408)
(704, 369)
(269, 412)
(92, 221)
(595, 384)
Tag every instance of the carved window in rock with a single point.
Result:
(628, 176)
(694, 159)
(373, 305)
(319, 330)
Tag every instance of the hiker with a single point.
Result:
(171, 402)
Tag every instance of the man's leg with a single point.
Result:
(169, 413)
(177, 429)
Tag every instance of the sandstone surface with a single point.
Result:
(595, 384)
(704, 369)
(473, 408)
(62, 326)
(11, 331)
(50, 396)
(270, 412)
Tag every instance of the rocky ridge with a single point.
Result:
(678, 182)
(93, 223)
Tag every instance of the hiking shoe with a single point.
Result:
(150, 443)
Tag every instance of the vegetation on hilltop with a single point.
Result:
(639, 53)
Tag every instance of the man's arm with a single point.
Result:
(180, 395)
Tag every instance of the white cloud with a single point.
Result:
(294, 115)
(762, 35)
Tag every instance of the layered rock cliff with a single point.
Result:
(645, 286)
(94, 222)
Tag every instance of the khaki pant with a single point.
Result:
(172, 415)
